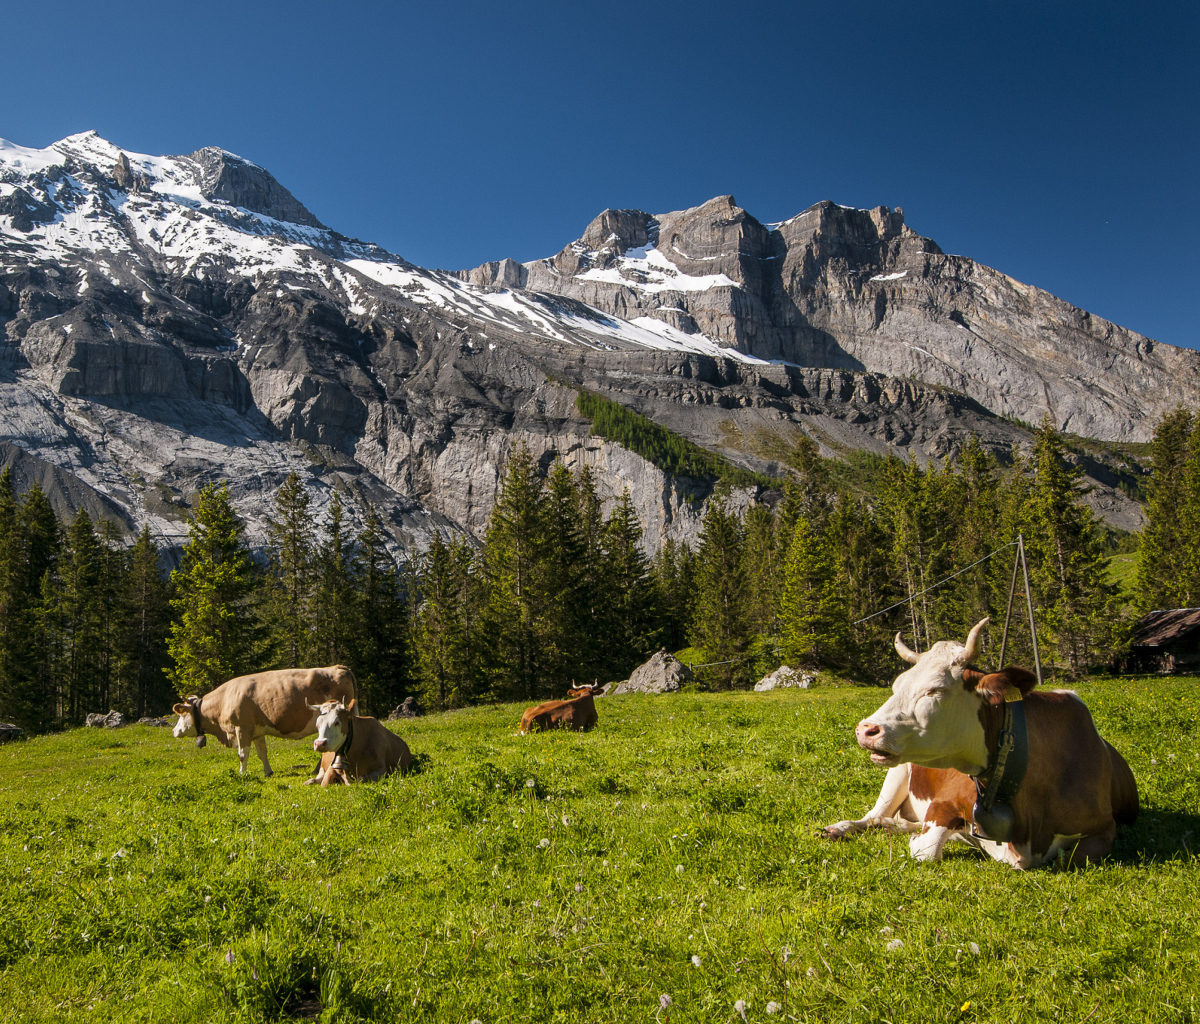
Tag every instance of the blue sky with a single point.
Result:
(1056, 142)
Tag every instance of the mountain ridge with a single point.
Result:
(165, 323)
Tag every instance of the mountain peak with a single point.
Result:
(229, 177)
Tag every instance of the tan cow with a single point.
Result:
(354, 747)
(940, 732)
(250, 708)
(579, 714)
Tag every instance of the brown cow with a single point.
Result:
(940, 731)
(355, 747)
(250, 708)
(579, 714)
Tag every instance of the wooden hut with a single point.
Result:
(1167, 640)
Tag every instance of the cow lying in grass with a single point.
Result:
(579, 713)
(941, 735)
(354, 747)
(248, 709)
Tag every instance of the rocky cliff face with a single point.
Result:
(168, 321)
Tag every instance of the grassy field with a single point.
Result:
(672, 852)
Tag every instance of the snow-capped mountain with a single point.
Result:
(171, 320)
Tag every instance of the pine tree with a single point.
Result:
(335, 610)
(764, 564)
(1068, 563)
(628, 627)
(37, 672)
(381, 664)
(81, 602)
(813, 612)
(146, 612)
(443, 630)
(290, 533)
(718, 623)
(515, 552)
(217, 633)
(569, 643)
(1165, 538)
(673, 571)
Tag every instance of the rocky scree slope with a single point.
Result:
(169, 321)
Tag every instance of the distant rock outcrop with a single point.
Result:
(10, 732)
(784, 677)
(113, 720)
(410, 708)
(663, 673)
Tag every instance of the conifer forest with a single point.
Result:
(562, 590)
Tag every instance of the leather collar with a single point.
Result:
(998, 784)
(194, 704)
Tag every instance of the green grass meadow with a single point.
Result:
(560, 877)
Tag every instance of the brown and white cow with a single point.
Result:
(939, 729)
(250, 708)
(579, 714)
(354, 747)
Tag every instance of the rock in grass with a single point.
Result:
(157, 722)
(409, 709)
(784, 677)
(10, 732)
(113, 720)
(663, 673)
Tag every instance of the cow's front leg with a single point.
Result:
(891, 799)
(242, 749)
(929, 843)
(260, 744)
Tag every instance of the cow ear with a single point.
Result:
(353, 704)
(991, 685)
(182, 709)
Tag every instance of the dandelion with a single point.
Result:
(695, 960)
(885, 932)
(229, 958)
(740, 1008)
(529, 783)
(207, 899)
(604, 864)
(773, 1007)
(664, 1001)
(566, 820)
(679, 869)
(973, 947)
(894, 945)
(1154, 760)
(476, 1020)
(965, 1007)
(544, 843)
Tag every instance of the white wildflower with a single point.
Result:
(529, 783)
(544, 843)
(773, 1007)
(566, 820)
(679, 869)
(740, 1008)
(973, 947)
(695, 960)
(664, 1001)
(885, 932)
(894, 945)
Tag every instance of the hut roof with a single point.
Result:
(1165, 626)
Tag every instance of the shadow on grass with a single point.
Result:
(1159, 834)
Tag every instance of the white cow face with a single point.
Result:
(333, 724)
(185, 726)
(932, 718)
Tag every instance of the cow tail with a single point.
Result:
(1124, 789)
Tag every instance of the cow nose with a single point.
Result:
(320, 745)
(868, 731)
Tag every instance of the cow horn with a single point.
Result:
(972, 649)
(905, 653)
(312, 707)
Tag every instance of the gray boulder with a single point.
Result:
(784, 677)
(411, 708)
(156, 722)
(113, 720)
(663, 673)
(10, 732)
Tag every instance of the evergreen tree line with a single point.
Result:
(561, 589)
(1169, 572)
